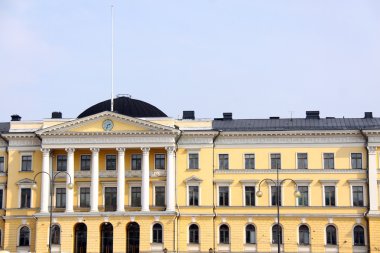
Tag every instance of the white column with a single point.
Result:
(94, 180)
(170, 179)
(45, 184)
(145, 180)
(120, 179)
(70, 171)
(372, 179)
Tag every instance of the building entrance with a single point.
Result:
(106, 238)
(133, 237)
(80, 240)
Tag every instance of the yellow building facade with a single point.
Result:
(135, 180)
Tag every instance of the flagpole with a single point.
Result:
(112, 57)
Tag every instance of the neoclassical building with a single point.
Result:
(135, 180)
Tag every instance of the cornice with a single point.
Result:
(290, 133)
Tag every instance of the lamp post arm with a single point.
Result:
(41, 172)
(266, 179)
(63, 172)
(288, 179)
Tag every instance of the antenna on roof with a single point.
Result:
(112, 38)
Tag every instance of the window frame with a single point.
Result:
(80, 165)
(299, 235)
(188, 185)
(361, 183)
(3, 188)
(106, 163)
(364, 234)
(162, 233)
(281, 194)
(59, 186)
(271, 234)
(132, 159)
(19, 236)
(188, 160)
(57, 168)
(307, 161)
(59, 238)
(336, 236)
(229, 234)
(20, 193)
(3, 162)
(245, 193)
(254, 161)
(154, 193)
(323, 161)
(104, 186)
(229, 194)
(270, 160)
(80, 196)
(361, 164)
(304, 183)
(329, 183)
(31, 161)
(228, 161)
(131, 196)
(245, 234)
(155, 158)
(189, 234)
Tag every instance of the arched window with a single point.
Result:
(359, 236)
(24, 236)
(331, 235)
(157, 233)
(250, 234)
(224, 234)
(193, 233)
(55, 234)
(80, 239)
(304, 235)
(276, 234)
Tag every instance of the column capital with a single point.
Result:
(145, 150)
(120, 150)
(94, 150)
(371, 150)
(70, 150)
(170, 149)
(45, 151)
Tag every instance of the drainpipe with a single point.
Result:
(178, 213)
(368, 193)
(213, 187)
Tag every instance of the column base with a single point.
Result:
(120, 210)
(69, 211)
(94, 211)
(145, 210)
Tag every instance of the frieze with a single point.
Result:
(113, 174)
(120, 140)
(24, 142)
(291, 171)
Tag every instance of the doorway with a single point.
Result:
(80, 240)
(133, 237)
(106, 238)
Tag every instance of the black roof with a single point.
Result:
(296, 124)
(126, 106)
(4, 127)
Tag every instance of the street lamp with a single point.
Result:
(278, 184)
(52, 182)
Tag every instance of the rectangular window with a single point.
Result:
(356, 161)
(160, 195)
(110, 162)
(193, 195)
(275, 161)
(110, 198)
(249, 161)
(61, 162)
(1, 199)
(2, 167)
(85, 162)
(26, 194)
(250, 196)
(159, 161)
(357, 196)
(60, 197)
(193, 161)
(223, 195)
(136, 162)
(84, 197)
(274, 196)
(328, 161)
(135, 196)
(26, 163)
(302, 160)
(303, 200)
(223, 162)
(329, 195)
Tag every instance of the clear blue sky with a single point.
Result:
(253, 58)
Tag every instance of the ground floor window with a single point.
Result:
(224, 234)
(157, 233)
(193, 233)
(24, 236)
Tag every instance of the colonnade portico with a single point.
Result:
(121, 179)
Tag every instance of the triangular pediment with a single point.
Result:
(25, 181)
(193, 179)
(107, 122)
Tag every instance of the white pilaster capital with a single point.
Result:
(94, 150)
(371, 150)
(45, 151)
(120, 150)
(170, 149)
(70, 150)
(145, 150)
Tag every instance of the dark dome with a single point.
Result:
(126, 106)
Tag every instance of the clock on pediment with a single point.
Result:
(107, 125)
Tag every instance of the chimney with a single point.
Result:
(368, 115)
(227, 116)
(56, 115)
(188, 115)
(312, 115)
(15, 117)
